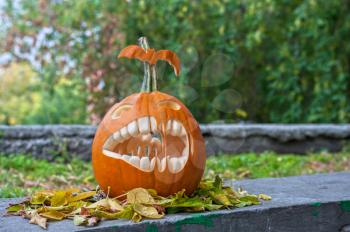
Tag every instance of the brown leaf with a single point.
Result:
(35, 218)
(84, 211)
(92, 221)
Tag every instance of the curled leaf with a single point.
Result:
(147, 211)
(139, 195)
(264, 197)
(82, 196)
(35, 218)
(110, 204)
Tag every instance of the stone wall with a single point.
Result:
(50, 141)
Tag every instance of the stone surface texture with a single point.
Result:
(305, 203)
(50, 141)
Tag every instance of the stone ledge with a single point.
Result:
(52, 140)
(302, 203)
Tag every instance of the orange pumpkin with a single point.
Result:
(149, 139)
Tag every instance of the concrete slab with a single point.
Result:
(302, 203)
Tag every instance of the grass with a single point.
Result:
(20, 175)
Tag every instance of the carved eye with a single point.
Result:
(123, 108)
(169, 104)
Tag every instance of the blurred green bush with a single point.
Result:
(265, 61)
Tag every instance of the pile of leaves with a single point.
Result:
(89, 207)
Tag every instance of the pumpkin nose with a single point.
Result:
(142, 145)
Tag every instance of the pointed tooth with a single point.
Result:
(168, 126)
(144, 125)
(133, 128)
(153, 124)
(111, 154)
(126, 157)
(176, 128)
(124, 133)
(144, 163)
(135, 160)
(161, 163)
(117, 136)
(153, 162)
(110, 144)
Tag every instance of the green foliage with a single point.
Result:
(266, 61)
(269, 164)
(27, 97)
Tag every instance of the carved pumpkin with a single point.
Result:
(149, 139)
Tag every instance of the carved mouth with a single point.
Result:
(146, 145)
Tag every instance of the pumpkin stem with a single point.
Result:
(149, 83)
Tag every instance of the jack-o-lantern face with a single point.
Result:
(148, 140)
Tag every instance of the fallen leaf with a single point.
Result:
(35, 218)
(82, 196)
(79, 220)
(59, 198)
(14, 208)
(111, 204)
(264, 197)
(139, 195)
(220, 198)
(38, 198)
(147, 211)
(136, 217)
(93, 221)
(54, 215)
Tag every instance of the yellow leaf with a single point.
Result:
(82, 196)
(147, 211)
(38, 199)
(264, 197)
(108, 203)
(221, 198)
(139, 195)
(59, 198)
(114, 205)
(35, 218)
(55, 215)
(136, 217)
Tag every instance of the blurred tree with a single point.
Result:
(266, 61)
(17, 98)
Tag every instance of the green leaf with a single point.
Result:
(14, 208)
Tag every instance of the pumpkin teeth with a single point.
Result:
(140, 144)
